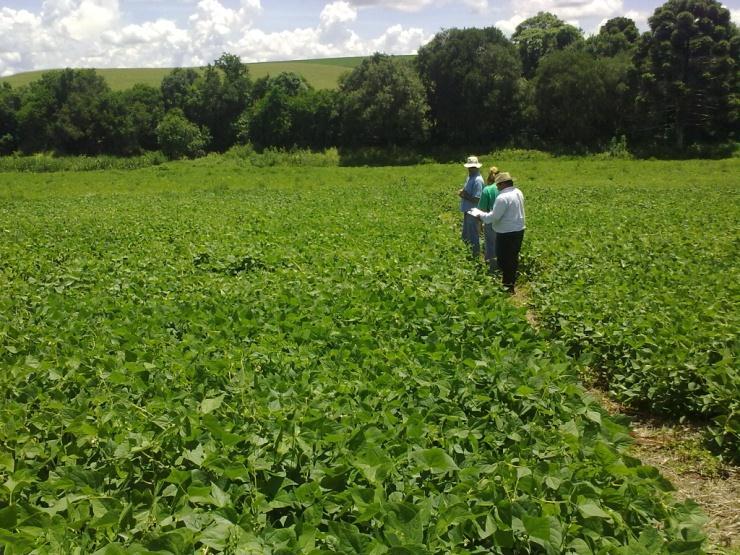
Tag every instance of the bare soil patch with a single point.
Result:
(677, 451)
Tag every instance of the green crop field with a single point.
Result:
(209, 356)
(321, 73)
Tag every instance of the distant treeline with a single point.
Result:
(674, 90)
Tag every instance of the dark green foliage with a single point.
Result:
(315, 118)
(383, 104)
(177, 88)
(287, 112)
(145, 107)
(68, 111)
(212, 99)
(541, 34)
(10, 103)
(677, 93)
(618, 35)
(180, 138)
(472, 82)
(289, 83)
(270, 122)
(581, 102)
(689, 77)
(218, 96)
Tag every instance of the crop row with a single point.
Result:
(641, 282)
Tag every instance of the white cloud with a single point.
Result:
(161, 31)
(412, 6)
(398, 40)
(337, 13)
(14, 53)
(334, 19)
(508, 26)
(640, 19)
(579, 13)
(94, 33)
(579, 9)
(89, 18)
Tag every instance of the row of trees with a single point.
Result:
(673, 87)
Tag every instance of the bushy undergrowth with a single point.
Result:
(275, 157)
(42, 163)
(246, 154)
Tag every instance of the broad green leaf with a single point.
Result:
(196, 456)
(591, 509)
(435, 460)
(8, 517)
(210, 404)
(7, 462)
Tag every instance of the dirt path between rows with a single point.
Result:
(676, 450)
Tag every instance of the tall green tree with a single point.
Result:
(689, 84)
(40, 102)
(269, 120)
(580, 100)
(541, 34)
(618, 35)
(145, 110)
(205, 106)
(180, 138)
(65, 111)
(84, 116)
(213, 98)
(472, 79)
(288, 112)
(218, 96)
(177, 88)
(315, 119)
(383, 103)
(10, 103)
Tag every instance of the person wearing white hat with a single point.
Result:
(469, 197)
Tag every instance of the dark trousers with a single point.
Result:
(508, 246)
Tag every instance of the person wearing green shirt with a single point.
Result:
(487, 198)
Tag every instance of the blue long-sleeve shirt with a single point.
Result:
(474, 187)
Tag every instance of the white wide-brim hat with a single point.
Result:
(472, 162)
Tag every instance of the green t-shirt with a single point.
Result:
(487, 198)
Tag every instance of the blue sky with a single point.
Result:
(44, 34)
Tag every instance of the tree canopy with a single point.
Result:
(672, 90)
(689, 82)
(541, 34)
(383, 103)
(471, 78)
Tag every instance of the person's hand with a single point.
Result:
(460, 193)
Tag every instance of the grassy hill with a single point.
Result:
(321, 73)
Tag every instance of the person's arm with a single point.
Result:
(499, 207)
(467, 196)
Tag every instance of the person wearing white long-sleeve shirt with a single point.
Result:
(507, 218)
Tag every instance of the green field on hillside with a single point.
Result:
(320, 73)
(208, 355)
